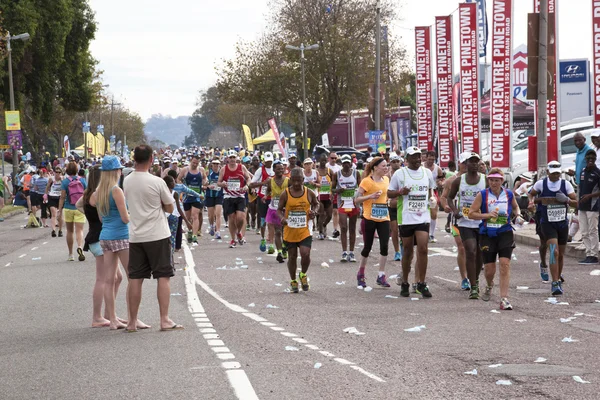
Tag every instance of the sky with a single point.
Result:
(157, 55)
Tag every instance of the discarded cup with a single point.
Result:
(569, 340)
(389, 296)
(330, 260)
(251, 305)
(495, 312)
(36, 258)
(540, 360)
(324, 265)
(503, 382)
(595, 272)
(291, 348)
(368, 289)
(243, 266)
(474, 372)
(278, 284)
(341, 283)
(267, 279)
(271, 306)
(415, 329)
(579, 380)
(318, 365)
(567, 320)
(494, 366)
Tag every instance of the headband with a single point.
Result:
(376, 163)
(496, 175)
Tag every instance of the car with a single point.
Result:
(339, 150)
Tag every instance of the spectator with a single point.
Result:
(589, 191)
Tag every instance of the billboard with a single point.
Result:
(575, 82)
(424, 87)
(443, 41)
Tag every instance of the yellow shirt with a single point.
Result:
(375, 210)
(296, 213)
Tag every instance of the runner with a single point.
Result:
(345, 183)
(460, 248)
(393, 210)
(38, 190)
(334, 168)
(259, 182)
(214, 199)
(312, 182)
(252, 197)
(233, 178)
(413, 184)
(71, 190)
(297, 205)
(372, 194)
(275, 187)
(53, 193)
(26, 184)
(467, 187)
(495, 206)
(4, 188)
(555, 197)
(438, 178)
(326, 209)
(174, 217)
(194, 177)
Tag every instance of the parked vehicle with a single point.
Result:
(340, 150)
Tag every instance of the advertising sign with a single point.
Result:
(13, 120)
(482, 32)
(378, 141)
(273, 126)
(443, 41)
(596, 60)
(424, 88)
(501, 94)
(469, 77)
(575, 87)
(14, 139)
(573, 71)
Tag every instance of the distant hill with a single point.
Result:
(167, 129)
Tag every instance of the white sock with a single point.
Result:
(432, 225)
(381, 273)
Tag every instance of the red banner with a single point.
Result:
(501, 95)
(443, 41)
(455, 114)
(273, 126)
(596, 33)
(423, 82)
(469, 77)
(553, 123)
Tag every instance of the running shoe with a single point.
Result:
(474, 295)
(465, 285)
(304, 281)
(194, 239)
(397, 256)
(414, 287)
(271, 249)
(218, 235)
(71, 258)
(351, 257)
(382, 281)
(405, 289)
(360, 278)
(294, 286)
(344, 257)
(53, 233)
(432, 239)
(505, 304)
(544, 273)
(1, 219)
(241, 239)
(284, 252)
(60, 234)
(589, 260)
(562, 280)
(80, 254)
(423, 289)
(280, 257)
(212, 230)
(335, 234)
(189, 237)
(487, 294)
(447, 229)
(263, 245)
(557, 289)
(321, 236)
(247, 227)
(232, 244)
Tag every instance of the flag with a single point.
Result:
(248, 136)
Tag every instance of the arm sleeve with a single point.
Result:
(257, 175)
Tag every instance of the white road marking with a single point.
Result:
(45, 243)
(447, 280)
(22, 255)
(241, 384)
(34, 248)
(8, 264)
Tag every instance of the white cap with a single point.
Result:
(412, 150)
(346, 158)
(268, 156)
(155, 161)
(465, 155)
(215, 161)
(308, 161)
(232, 153)
(595, 133)
(554, 166)
(395, 157)
(284, 161)
(369, 159)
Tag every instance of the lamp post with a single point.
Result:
(301, 49)
(9, 38)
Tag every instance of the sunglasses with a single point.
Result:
(554, 165)
(333, 158)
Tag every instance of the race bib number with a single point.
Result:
(297, 219)
(196, 189)
(347, 197)
(498, 222)
(213, 185)
(275, 202)
(417, 203)
(325, 189)
(263, 190)
(233, 184)
(466, 207)
(379, 211)
(556, 213)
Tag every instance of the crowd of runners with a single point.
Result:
(138, 214)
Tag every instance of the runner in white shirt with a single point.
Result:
(334, 168)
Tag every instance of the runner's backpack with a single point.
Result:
(75, 190)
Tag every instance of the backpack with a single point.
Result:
(75, 190)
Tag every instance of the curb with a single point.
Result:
(570, 251)
(14, 212)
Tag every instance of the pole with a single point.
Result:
(543, 91)
(11, 89)
(112, 123)
(377, 94)
(305, 134)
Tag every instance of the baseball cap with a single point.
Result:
(156, 162)
(395, 157)
(346, 158)
(268, 156)
(595, 133)
(465, 155)
(246, 159)
(232, 153)
(307, 161)
(554, 166)
(277, 162)
(166, 160)
(283, 160)
(215, 161)
(292, 155)
(412, 150)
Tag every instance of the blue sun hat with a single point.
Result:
(111, 163)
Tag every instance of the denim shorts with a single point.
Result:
(96, 249)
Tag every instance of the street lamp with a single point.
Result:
(301, 49)
(9, 38)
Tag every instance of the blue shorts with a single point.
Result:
(96, 249)
(213, 201)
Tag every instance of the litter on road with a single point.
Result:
(291, 348)
(415, 329)
(474, 372)
(569, 340)
(540, 360)
(579, 380)
(494, 366)
(318, 365)
(503, 382)
(271, 306)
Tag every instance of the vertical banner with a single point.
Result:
(443, 41)
(455, 114)
(469, 77)
(596, 52)
(501, 95)
(424, 89)
(273, 126)
(483, 26)
(248, 137)
(553, 122)
(67, 146)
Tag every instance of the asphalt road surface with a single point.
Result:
(246, 337)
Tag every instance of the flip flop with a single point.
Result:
(175, 327)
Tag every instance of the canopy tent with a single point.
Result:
(96, 145)
(523, 114)
(266, 138)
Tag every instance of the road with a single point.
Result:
(247, 338)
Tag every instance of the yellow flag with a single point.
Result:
(248, 136)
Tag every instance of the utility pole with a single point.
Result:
(542, 111)
(377, 94)
(112, 121)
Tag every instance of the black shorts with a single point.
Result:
(304, 243)
(550, 230)
(213, 201)
(197, 204)
(468, 233)
(500, 246)
(26, 193)
(409, 230)
(393, 213)
(231, 205)
(263, 207)
(37, 199)
(326, 203)
(151, 258)
(53, 201)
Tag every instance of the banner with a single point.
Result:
(553, 121)
(455, 114)
(424, 89)
(378, 141)
(483, 26)
(443, 41)
(248, 136)
(15, 139)
(325, 140)
(273, 126)
(469, 78)
(13, 120)
(596, 52)
(67, 146)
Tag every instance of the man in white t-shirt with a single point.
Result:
(149, 237)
